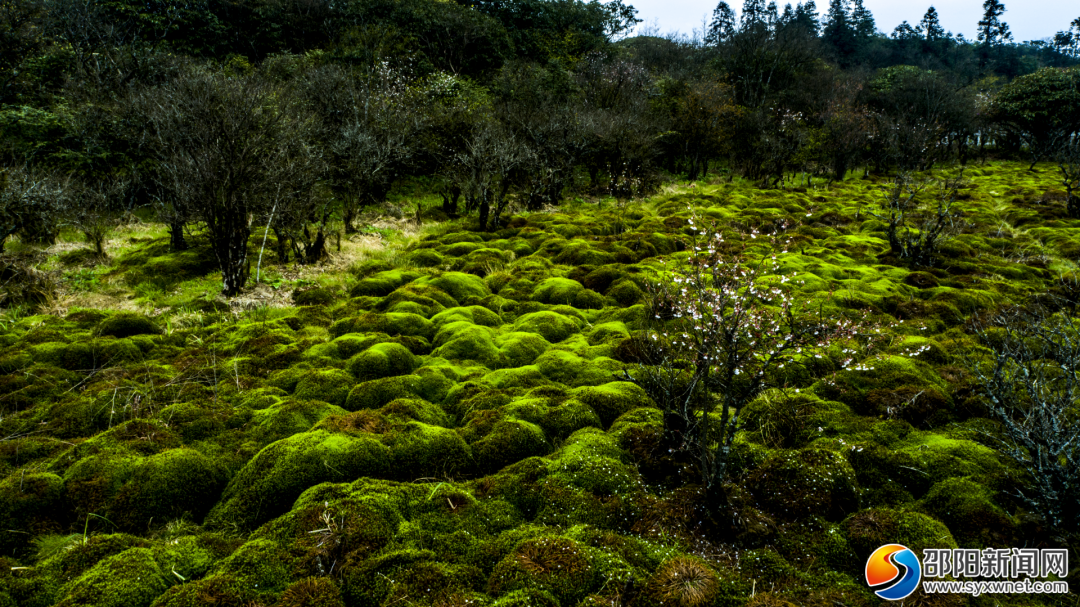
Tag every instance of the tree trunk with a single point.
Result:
(231, 235)
(485, 209)
(177, 242)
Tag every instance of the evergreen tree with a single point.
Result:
(930, 26)
(722, 25)
(806, 17)
(992, 30)
(772, 14)
(753, 14)
(863, 21)
(839, 32)
(904, 31)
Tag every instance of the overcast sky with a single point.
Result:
(1027, 19)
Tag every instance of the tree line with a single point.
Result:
(231, 117)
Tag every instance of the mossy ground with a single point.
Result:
(440, 422)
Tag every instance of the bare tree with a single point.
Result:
(1031, 381)
(721, 330)
(29, 202)
(95, 208)
(484, 167)
(370, 128)
(1067, 158)
(916, 228)
(227, 149)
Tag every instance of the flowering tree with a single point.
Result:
(723, 329)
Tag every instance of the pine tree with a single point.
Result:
(839, 31)
(806, 16)
(754, 14)
(930, 26)
(772, 14)
(722, 26)
(992, 30)
(904, 31)
(863, 21)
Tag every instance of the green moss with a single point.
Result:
(132, 578)
(382, 283)
(477, 315)
(592, 461)
(331, 385)
(421, 450)
(461, 341)
(416, 409)
(267, 485)
(425, 258)
(376, 393)
(178, 483)
(186, 555)
(508, 441)
(551, 564)
(466, 289)
(557, 291)
(30, 505)
(92, 483)
(573, 370)
(613, 399)
(551, 326)
(968, 509)
(318, 296)
(288, 417)
(870, 529)
(625, 293)
(796, 484)
(391, 323)
(517, 348)
(382, 360)
(127, 324)
(312, 592)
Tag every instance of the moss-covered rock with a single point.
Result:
(509, 441)
(376, 393)
(463, 340)
(551, 564)
(968, 509)
(127, 324)
(382, 283)
(132, 578)
(420, 450)
(550, 325)
(517, 348)
(382, 360)
(611, 400)
(287, 417)
(267, 485)
(466, 289)
(328, 385)
(173, 484)
(30, 505)
(796, 484)
(870, 529)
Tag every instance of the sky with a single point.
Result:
(1027, 19)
